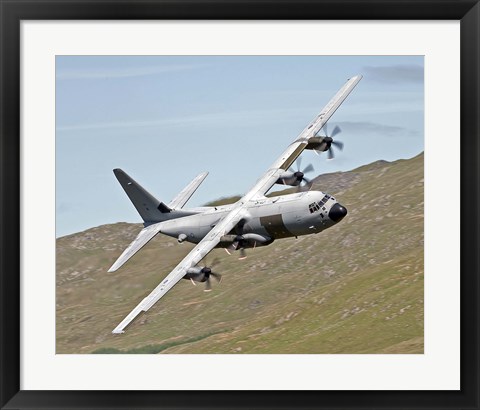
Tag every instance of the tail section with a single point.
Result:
(150, 209)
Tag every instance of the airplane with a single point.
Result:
(254, 220)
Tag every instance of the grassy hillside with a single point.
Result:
(355, 288)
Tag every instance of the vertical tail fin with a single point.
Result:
(149, 208)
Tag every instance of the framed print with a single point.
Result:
(380, 308)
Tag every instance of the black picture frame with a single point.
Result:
(14, 11)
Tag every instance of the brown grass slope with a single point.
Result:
(355, 288)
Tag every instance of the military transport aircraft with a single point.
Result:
(254, 220)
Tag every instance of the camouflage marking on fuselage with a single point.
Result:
(273, 218)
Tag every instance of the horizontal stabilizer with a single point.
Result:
(181, 199)
(145, 235)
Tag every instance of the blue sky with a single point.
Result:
(164, 119)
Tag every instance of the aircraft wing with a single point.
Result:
(181, 199)
(194, 257)
(145, 235)
(296, 148)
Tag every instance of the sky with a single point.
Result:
(165, 119)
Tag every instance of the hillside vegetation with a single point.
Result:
(355, 288)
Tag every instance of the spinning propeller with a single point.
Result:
(198, 274)
(242, 240)
(300, 175)
(207, 271)
(239, 242)
(328, 141)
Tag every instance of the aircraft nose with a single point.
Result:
(337, 212)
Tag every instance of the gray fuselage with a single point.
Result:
(272, 218)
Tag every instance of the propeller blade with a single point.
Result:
(336, 130)
(239, 227)
(208, 286)
(325, 129)
(322, 147)
(233, 246)
(309, 168)
(330, 153)
(299, 163)
(215, 262)
(338, 144)
(193, 282)
(243, 254)
(217, 276)
(305, 187)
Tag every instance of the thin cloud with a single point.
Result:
(123, 72)
(237, 117)
(217, 118)
(401, 73)
(375, 128)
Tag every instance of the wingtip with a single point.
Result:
(113, 268)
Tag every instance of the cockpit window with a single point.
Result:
(315, 206)
(324, 200)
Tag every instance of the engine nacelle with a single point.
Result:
(314, 142)
(196, 273)
(230, 238)
(247, 239)
(290, 178)
(319, 143)
(255, 237)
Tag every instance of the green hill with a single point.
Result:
(355, 288)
